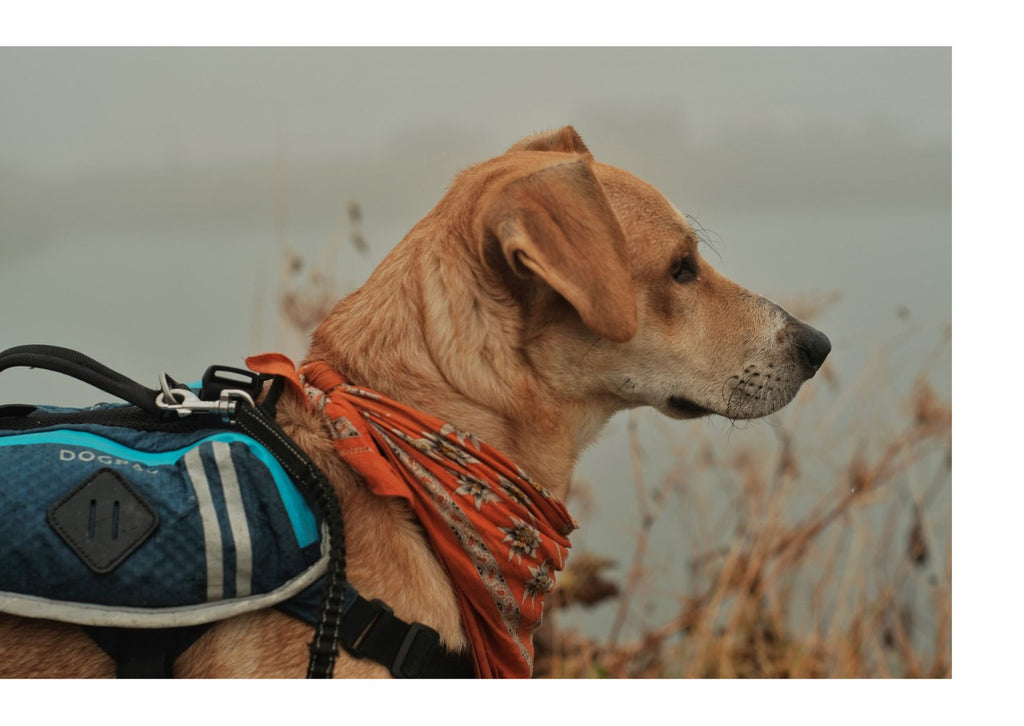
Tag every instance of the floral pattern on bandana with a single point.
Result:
(541, 583)
(464, 438)
(522, 540)
(438, 448)
(512, 491)
(342, 428)
(473, 487)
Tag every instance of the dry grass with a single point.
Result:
(307, 291)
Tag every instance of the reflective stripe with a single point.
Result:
(211, 530)
(236, 518)
(31, 606)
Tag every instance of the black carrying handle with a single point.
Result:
(78, 365)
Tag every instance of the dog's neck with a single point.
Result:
(419, 334)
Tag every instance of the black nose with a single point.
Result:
(814, 347)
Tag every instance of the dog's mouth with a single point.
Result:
(685, 408)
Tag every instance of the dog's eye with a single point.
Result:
(683, 269)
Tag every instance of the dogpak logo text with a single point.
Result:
(87, 456)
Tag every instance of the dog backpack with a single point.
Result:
(147, 522)
(182, 507)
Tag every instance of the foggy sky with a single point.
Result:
(123, 139)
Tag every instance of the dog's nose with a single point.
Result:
(814, 346)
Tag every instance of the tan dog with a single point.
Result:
(544, 293)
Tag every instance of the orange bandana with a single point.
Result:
(500, 536)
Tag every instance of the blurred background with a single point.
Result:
(165, 209)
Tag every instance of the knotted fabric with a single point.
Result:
(500, 536)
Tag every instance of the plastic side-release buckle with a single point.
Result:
(216, 379)
(419, 643)
(380, 627)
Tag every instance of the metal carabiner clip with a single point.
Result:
(185, 402)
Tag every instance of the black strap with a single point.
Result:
(80, 366)
(145, 653)
(409, 650)
(260, 425)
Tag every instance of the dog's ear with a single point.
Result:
(556, 223)
(564, 139)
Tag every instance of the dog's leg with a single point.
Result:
(45, 649)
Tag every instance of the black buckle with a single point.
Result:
(414, 652)
(219, 378)
(400, 669)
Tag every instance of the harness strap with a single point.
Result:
(146, 653)
(370, 630)
(409, 650)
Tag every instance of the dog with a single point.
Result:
(544, 292)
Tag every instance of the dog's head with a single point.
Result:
(617, 303)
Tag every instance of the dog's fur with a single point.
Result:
(544, 293)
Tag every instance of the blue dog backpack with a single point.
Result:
(185, 506)
(146, 522)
